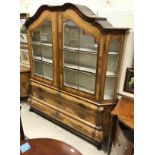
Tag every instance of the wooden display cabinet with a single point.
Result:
(24, 58)
(75, 60)
(24, 54)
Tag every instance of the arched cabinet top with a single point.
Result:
(83, 11)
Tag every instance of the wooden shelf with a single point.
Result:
(81, 68)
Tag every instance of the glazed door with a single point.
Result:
(114, 54)
(43, 47)
(79, 48)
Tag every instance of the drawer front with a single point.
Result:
(24, 84)
(70, 107)
(64, 119)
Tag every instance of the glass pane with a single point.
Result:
(48, 70)
(71, 34)
(87, 82)
(87, 61)
(36, 35)
(38, 68)
(112, 63)
(71, 78)
(70, 58)
(87, 41)
(36, 50)
(46, 53)
(109, 88)
(114, 46)
(45, 32)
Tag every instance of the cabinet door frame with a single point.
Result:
(90, 29)
(119, 35)
(52, 17)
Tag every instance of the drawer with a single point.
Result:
(63, 118)
(69, 106)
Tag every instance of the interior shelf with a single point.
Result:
(86, 69)
(86, 90)
(107, 97)
(46, 44)
(48, 77)
(37, 57)
(110, 74)
(80, 88)
(71, 85)
(38, 74)
(80, 49)
(113, 53)
(35, 43)
(47, 60)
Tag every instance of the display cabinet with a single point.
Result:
(24, 58)
(75, 59)
(24, 54)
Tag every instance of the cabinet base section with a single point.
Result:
(88, 133)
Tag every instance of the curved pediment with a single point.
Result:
(83, 11)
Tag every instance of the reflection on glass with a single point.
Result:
(38, 68)
(48, 70)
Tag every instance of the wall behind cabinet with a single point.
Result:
(118, 12)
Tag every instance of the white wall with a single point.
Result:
(118, 12)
